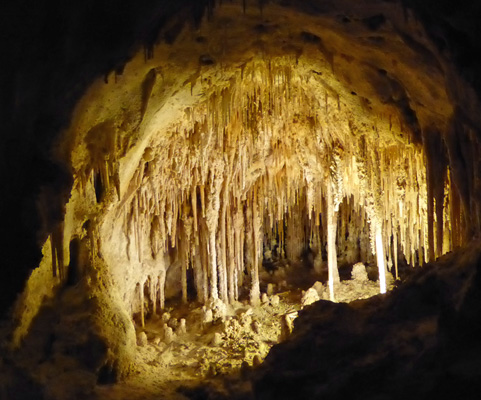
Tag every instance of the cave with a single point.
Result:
(230, 199)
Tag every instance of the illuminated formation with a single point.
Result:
(240, 169)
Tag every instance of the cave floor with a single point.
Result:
(238, 337)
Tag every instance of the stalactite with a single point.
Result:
(258, 161)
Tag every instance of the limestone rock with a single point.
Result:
(319, 288)
(182, 329)
(310, 296)
(270, 289)
(256, 361)
(219, 309)
(359, 272)
(256, 326)
(275, 300)
(142, 339)
(246, 319)
(217, 339)
(173, 323)
(206, 315)
(165, 317)
(168, 334)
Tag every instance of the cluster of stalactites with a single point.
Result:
(239, 164)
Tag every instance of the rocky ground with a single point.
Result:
(186, 345)
(421, 341)
(191, 344)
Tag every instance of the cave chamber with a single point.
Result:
(236, 160)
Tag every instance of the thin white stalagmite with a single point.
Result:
(331, 242)
(381, 264)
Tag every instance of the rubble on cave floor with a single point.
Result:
(191, 343)
(421, 341)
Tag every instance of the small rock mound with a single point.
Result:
(359, 272)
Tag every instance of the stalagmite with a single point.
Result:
(212, 215)
(184, 281)
(381, 264)
(331, 242)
